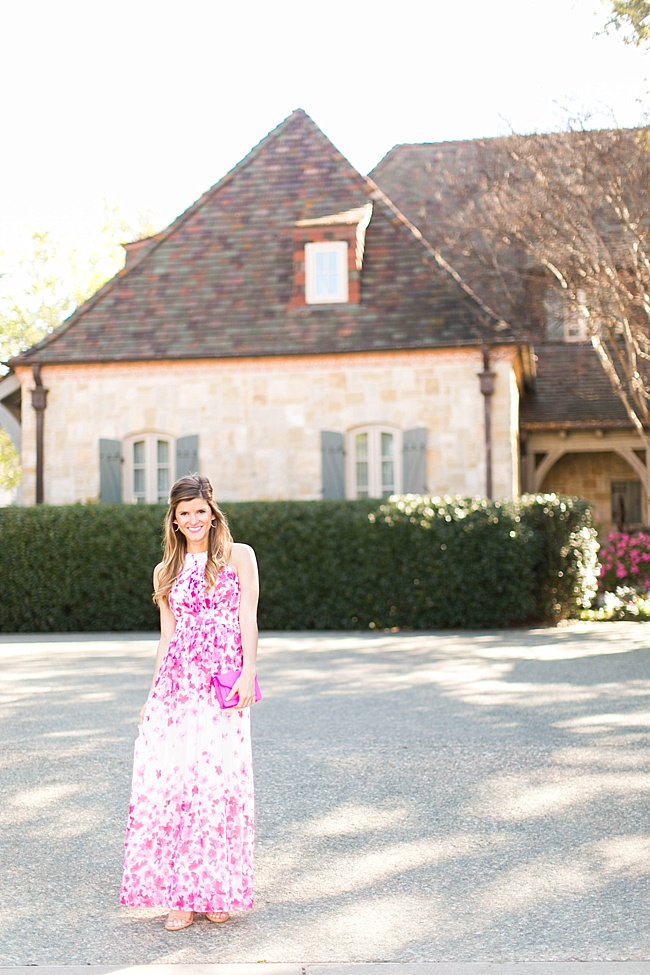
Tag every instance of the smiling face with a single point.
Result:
(193, 519)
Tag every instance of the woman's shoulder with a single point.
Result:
(243, 561)
(244, 564)
(241, 555)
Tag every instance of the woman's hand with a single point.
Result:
(244, 688)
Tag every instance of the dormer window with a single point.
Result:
(567, 320)
(326, 272)
(328, 258)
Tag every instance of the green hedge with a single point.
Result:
(420, 563)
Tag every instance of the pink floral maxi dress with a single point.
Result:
(189, 839)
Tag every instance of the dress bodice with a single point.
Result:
(191, 603)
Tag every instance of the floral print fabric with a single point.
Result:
(189, 839)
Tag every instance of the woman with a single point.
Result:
(189, 840)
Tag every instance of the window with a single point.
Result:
(578, 319)
(140, 469)
(374, 463)
(326, 272)
(566, 318)
(148, 469)
(384, 460)
(626, 503)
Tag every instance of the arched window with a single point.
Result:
(374, 462)
(149, 460)
(141, 468)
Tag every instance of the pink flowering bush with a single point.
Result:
(625, 563)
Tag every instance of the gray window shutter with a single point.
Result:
(187, 455)
(414, 459)
(110, 471)
(331, 444)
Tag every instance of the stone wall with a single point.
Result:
(259, 420)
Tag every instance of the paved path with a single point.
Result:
(438, 803)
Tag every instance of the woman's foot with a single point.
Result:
(177, 920)
(218, 917)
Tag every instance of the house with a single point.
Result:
(297, 334)
(575, 435)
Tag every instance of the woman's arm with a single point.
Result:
(167, 628)
(244, 563)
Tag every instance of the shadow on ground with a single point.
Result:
(420, 797)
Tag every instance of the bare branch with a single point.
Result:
(570, 212)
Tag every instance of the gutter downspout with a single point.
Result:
(39, 402)
(487, 389)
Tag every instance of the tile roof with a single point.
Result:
(443, 188)
(218, 281)
(571, 390)
(439, 186)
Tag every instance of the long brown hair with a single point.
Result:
(175, 545)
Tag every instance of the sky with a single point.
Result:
(144, 104)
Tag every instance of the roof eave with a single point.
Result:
(539, 425)
(278, 353)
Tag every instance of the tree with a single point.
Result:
(564, 217)
(632, 17)
(42, 288)
(35, 296)
(39, 290)
(10, 473)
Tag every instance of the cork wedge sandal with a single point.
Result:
(218, 917)
(177, 920)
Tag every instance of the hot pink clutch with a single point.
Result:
(223, 684)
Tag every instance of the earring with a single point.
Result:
(176, 529)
